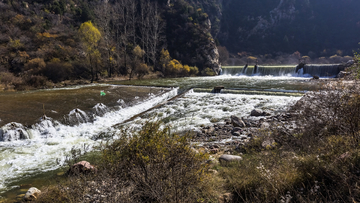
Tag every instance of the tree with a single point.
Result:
(138, 54)
(164, 59)
(90, 36)
(104, 15)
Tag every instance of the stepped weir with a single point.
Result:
(321, 70)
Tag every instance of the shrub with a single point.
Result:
(57, 72)
(35, 66)
(193, 70)
(162, 167)
(149, 165)
(36, 81)
(8, 78)
(208, 72)
(142, 70)
(316, 161)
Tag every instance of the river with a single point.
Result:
(39, 128)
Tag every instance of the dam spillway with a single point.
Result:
(321, 70)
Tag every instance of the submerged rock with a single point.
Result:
(32, 194)
(13, 131)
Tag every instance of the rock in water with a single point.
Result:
(237, 122)
(82, 167)
(229, 158)
(342, 74)
(256, 112)
(32, 194)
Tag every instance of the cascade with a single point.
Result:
(321, 70)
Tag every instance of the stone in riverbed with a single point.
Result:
(229, 158)
(32, 194)
(265, 125)
(237, 122)
(256, 112)
(82, 167)
(259, 112)
(342, 74)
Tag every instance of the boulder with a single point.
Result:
(256, 112)
(82, 167)
(259, 112)
(32, 194)
(316, 77)
(342, 74)
(229, 158)
(236, 133)
(265, 125)
(237, 122)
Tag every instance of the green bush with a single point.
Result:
(208, 72)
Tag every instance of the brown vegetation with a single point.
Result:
(151, 165)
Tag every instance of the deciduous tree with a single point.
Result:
(90, 36)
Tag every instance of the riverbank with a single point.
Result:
(223, 104)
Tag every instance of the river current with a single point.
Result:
(39, 128)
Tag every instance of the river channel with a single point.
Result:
(39, 128)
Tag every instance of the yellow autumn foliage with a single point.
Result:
(90, 35)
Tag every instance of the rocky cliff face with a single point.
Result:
(321, 27)
(189, 37)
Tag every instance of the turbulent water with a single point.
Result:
(32, 143)
(25, 151)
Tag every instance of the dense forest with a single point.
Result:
(51, 41)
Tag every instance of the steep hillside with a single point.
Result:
(42, 41)
(320, 27)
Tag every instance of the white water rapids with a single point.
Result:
(50, 141)
(25, 152)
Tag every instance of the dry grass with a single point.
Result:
(151, 165)
(317, 161)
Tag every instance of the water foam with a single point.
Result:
(50, 141)
(196, 109)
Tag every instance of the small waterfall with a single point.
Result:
(261, 70)
(13, 131)
(276, 70)
(244, 69)
(100, 109)
(323, 70)
(77, 116)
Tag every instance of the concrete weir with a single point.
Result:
(321, 70)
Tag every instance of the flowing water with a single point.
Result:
(39, 128)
